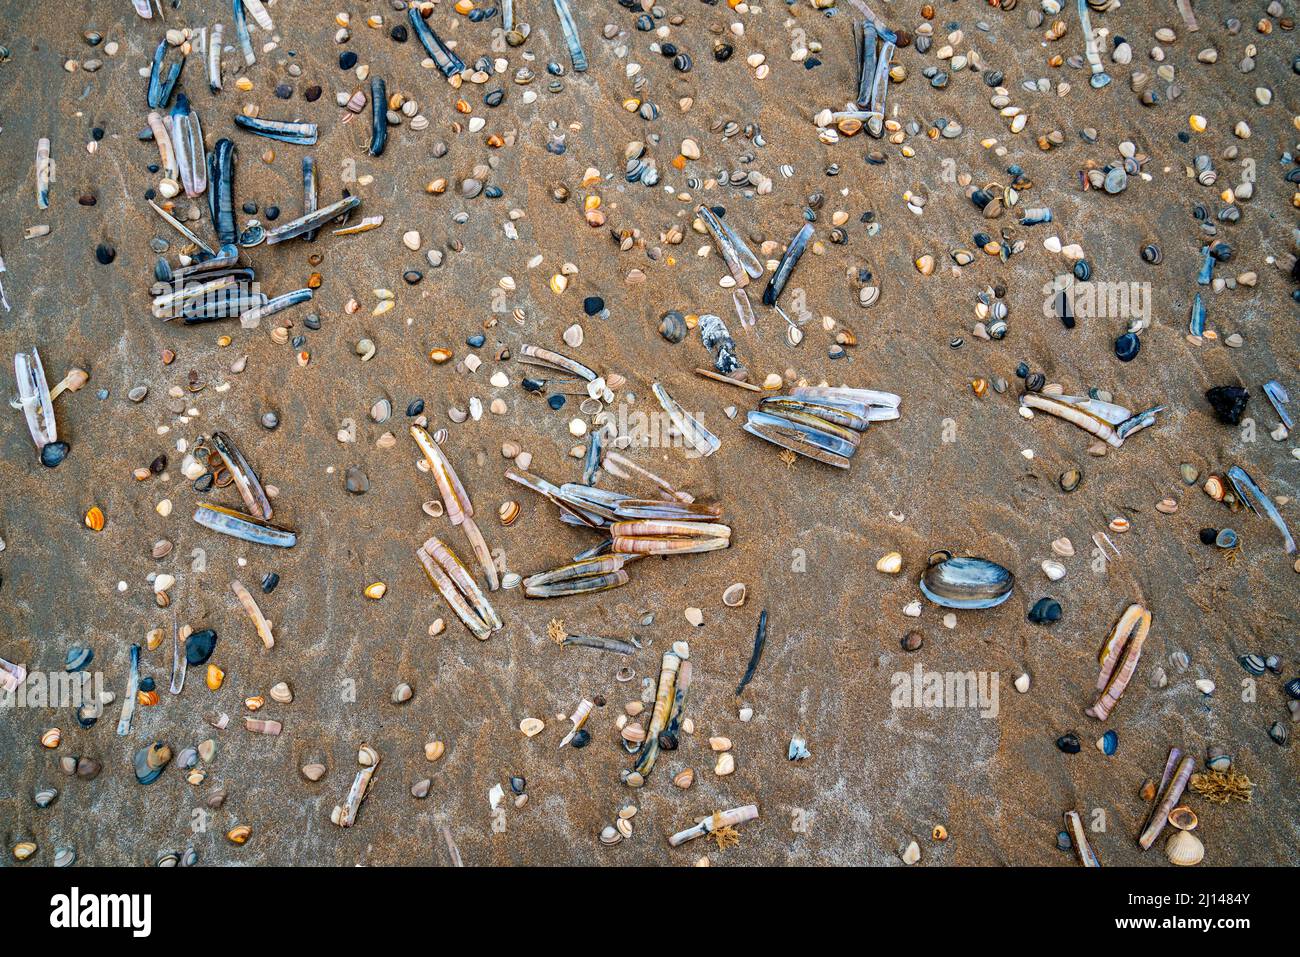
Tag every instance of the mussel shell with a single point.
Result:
(966, 583)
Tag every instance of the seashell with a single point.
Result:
(1119, 524)
(281, 693)
(890, 563)
(609, 836)
(51, 738)
(1183, 818)
(95, 519)
(402, 693)
(633, 733)
(734, 595)
(672, 326)
(965, 582)
(1215, 488)
(420, 789)
(367, 756)
(376, 590)
(508, 512)
(44, 797)
(65, 857)
(1063, 547)
(1185, 849)
(720, 744)
(433, 750)
(150, 761)
(531, 726)
(726, 764)
(24, 850)
(1055, 571)
(239, 834)
(214, 677)
(684, 779)
(313, 771)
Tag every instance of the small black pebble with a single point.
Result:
(476, 342)
(581, 739)
(311, 94)
(556, 402)
(398, 33)
(273, 213)
(105, 253)
(347, 60)
(1208, 535)
(592, 305)
(284, 91)
(249, 208)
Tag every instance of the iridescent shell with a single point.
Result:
(965, 582)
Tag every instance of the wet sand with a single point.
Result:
(805, 537)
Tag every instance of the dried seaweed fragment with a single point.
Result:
(1222, 787)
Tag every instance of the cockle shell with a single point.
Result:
(966, 582)
(1185, 849)
(734, 595)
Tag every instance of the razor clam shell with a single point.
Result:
(446, 60)
(187, 140)
(453, 493)
(535, 355)
(785, 267)
(864, 34)
(214, 57)
(571, 38)
(569, 513)
(967, 583)
(837, 414)
(1196, 321)
(580, 586)
(452, 595)
(223, 263)
(253, 317)
(310, 222)
(740, 259)
(816, 433)
(463, 580)
(221, 197)
(309, 200)
(244, 527)
(160, 90)
(703, 441)
(34, 396)
(585, 568)
(378, 116)
(787, 437)
(163, 140)
(246, 480)
(222, 307)
(883, 405)
(285, 131)
(241, 32)
(1252, 494)
(260, 16)
(632, 510)
(813, 423)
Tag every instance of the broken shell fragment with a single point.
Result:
(531, 726)
(734, 595)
